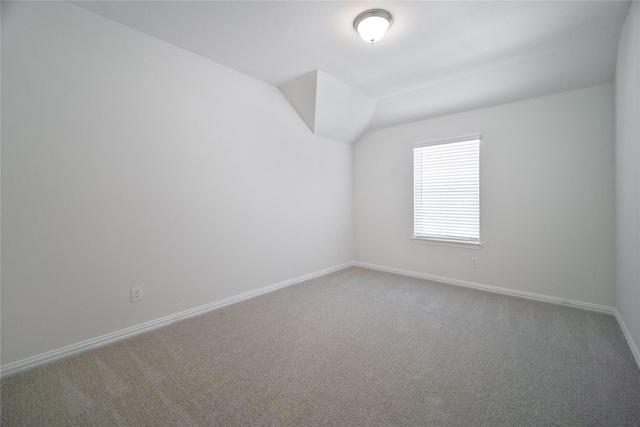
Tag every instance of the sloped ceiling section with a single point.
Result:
(329, 107)
(532, 75)
(301, 93)
(438, 57)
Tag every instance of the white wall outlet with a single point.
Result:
(136, 294)
(474, 262)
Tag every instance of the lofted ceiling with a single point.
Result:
(438, 57)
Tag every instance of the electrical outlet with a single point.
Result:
(136, 294)
(474, 262)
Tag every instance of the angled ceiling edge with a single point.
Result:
(330, 107)
(301, 94)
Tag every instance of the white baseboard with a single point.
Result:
(627, 335)
(495, 289)
(50, 356)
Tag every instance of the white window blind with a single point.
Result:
(447, 190)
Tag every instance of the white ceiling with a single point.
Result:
(438, 57)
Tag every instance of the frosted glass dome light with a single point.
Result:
(372, 24)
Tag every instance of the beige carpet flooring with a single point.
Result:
(354, 348)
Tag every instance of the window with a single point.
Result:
(446, 176)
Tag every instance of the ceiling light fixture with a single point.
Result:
(372, 24)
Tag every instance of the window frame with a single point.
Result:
(437, 240)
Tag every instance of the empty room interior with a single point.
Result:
(320, 213)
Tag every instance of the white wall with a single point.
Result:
(129, 162)
(547, 197)
(628, 174)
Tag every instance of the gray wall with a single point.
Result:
(628, 175)
(129, 162)
(546, 197)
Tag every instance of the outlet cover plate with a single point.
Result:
(136, 294)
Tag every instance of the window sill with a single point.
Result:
(452, 243)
